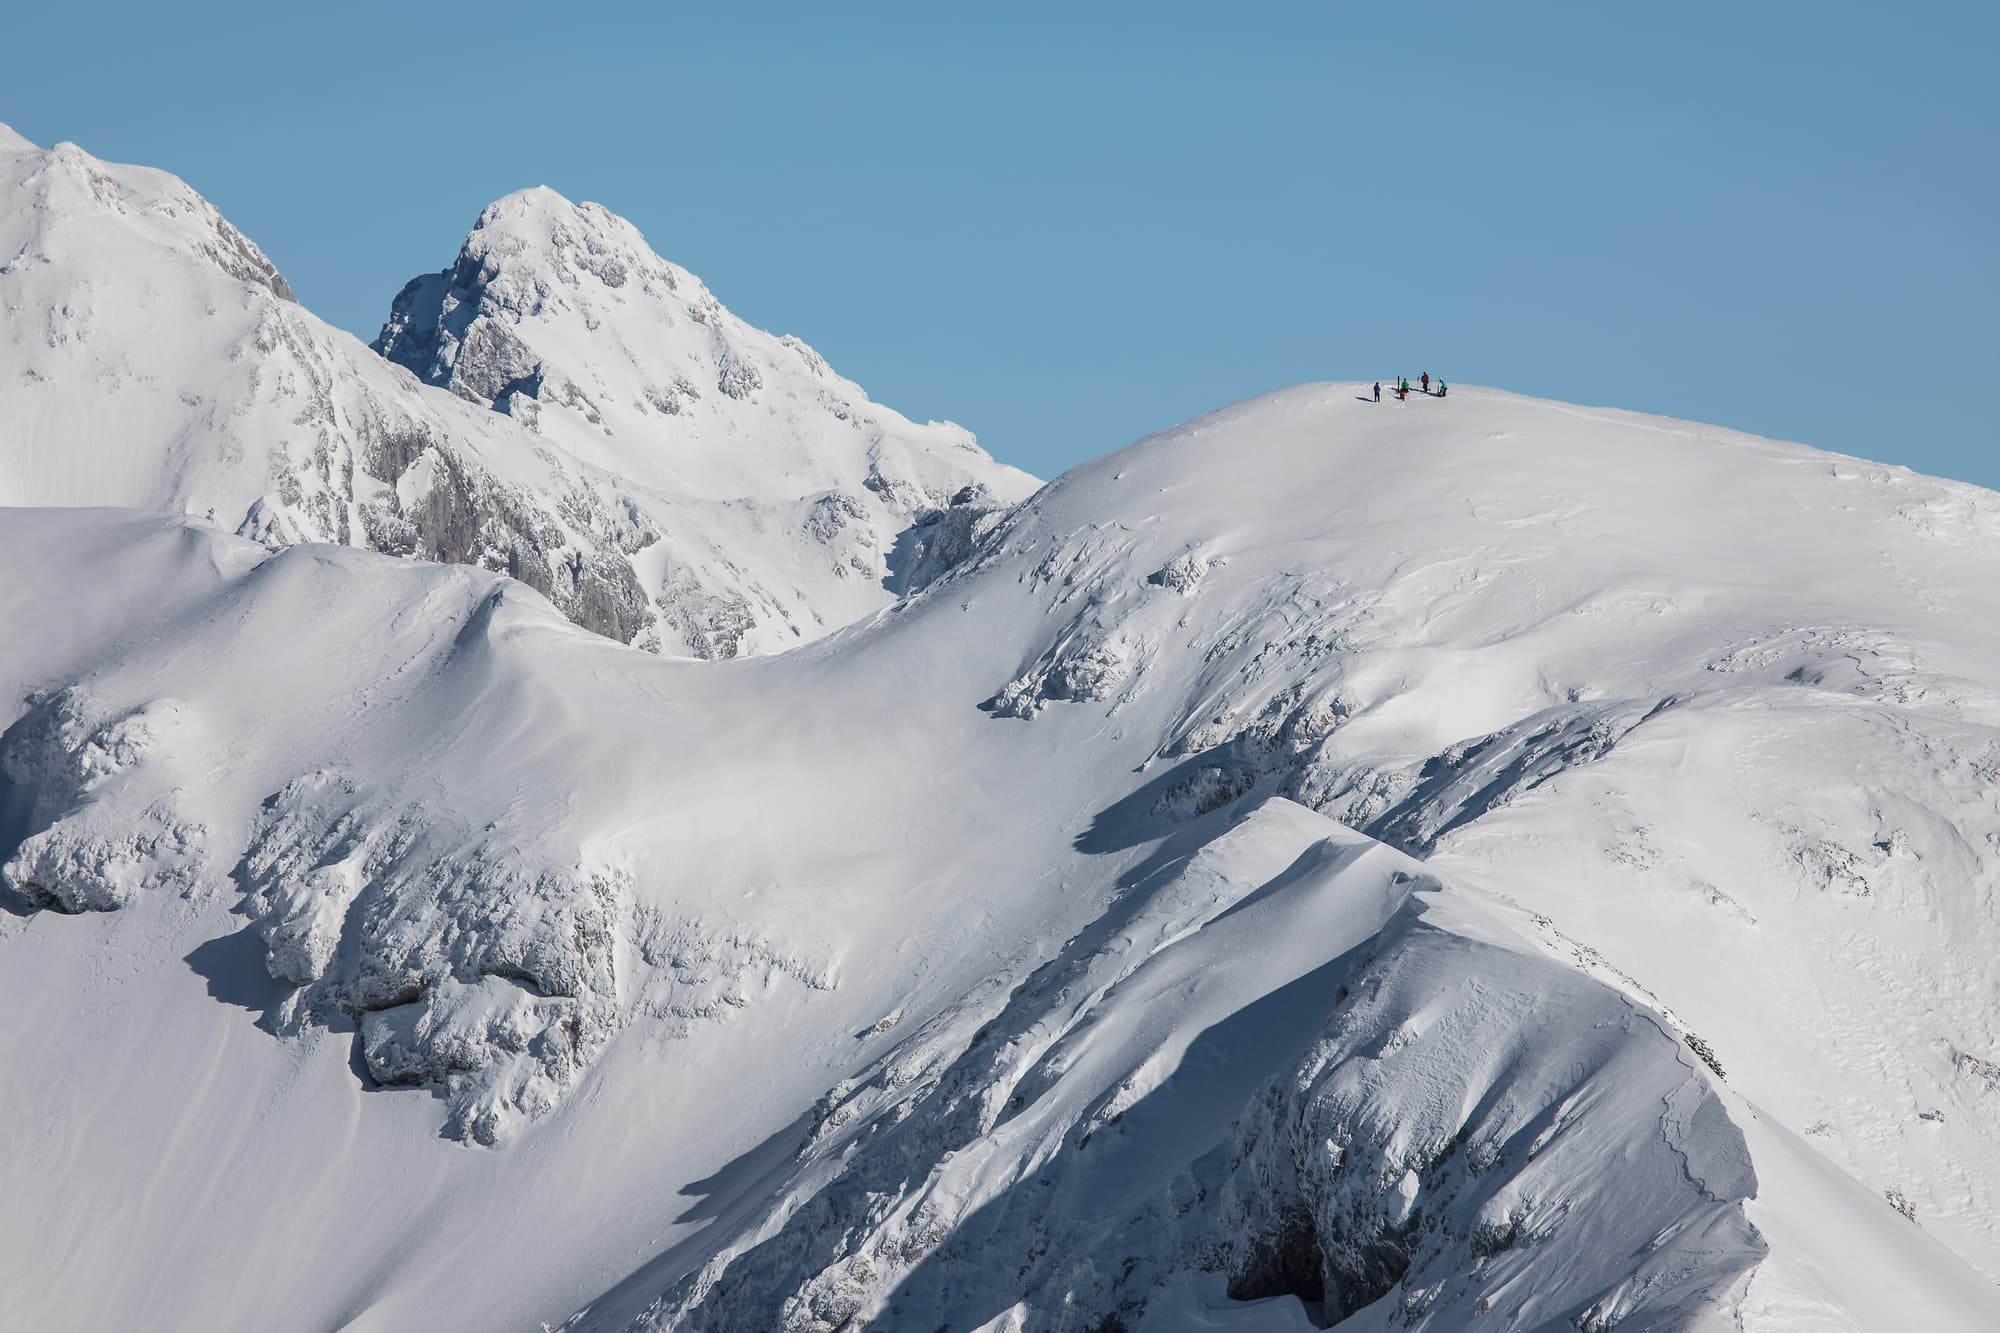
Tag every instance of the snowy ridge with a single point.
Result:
(1314, 866)
(1426, 1117)
(261, 418)
(1603, 706)
(982, 963)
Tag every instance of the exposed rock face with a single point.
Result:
(447, 507)
(941, 540)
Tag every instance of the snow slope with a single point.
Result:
(155, 358)
(1314, 862)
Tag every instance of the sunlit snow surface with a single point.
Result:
(691, 484)
(962, 968)
(1314, 863)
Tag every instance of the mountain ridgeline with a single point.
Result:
(1423, 864)
(578, 414)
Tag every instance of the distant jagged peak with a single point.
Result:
(534, 257)
(54, 200)
(561, 315)
(663, 472)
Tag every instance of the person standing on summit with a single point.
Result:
(1378, 391)
(1427, 382)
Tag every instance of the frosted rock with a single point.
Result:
(485, 973)
(106, 815)
(1181, 573)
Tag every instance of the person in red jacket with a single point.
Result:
(1427, 381)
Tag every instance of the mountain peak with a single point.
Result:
(71, 209)
(532, 238)
(539, 214)
(666, 474)
(559, 315)
(562, 314)
(534, 203)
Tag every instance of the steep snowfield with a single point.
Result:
(1309, 864)
(153, 357)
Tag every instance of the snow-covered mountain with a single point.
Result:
(1313, 866)
(559, 315)
(153, 357)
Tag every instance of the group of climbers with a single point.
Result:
(1402, 390)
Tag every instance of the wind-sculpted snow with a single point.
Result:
(66, 186)
(1481, 646)
(469, 936)
(708, 536)
(982, 963)
(1351, 1105)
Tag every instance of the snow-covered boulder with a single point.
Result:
(101, 802)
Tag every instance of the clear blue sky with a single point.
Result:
(1067, 225)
